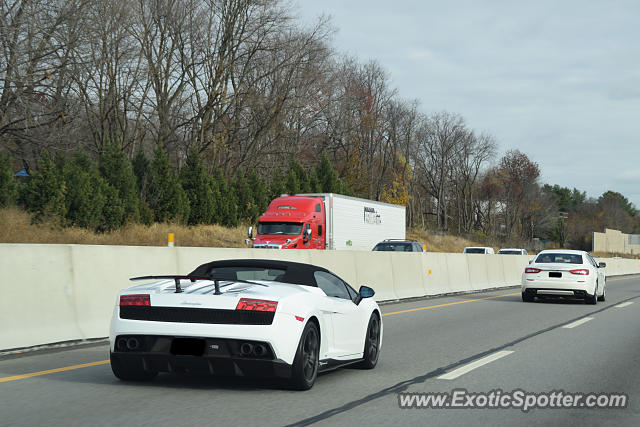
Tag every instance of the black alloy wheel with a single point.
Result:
(371, 344)
(306, 362)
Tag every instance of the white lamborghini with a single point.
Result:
(260, 318)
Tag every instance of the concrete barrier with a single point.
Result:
(54, 293)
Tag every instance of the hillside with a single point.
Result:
(17, 228)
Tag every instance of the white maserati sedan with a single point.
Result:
(245, 317)
(564, 273)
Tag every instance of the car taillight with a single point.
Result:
(135, 300)
(531, 270)
(256, 305)
(580, 272)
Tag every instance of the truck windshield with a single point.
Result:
(289, 228)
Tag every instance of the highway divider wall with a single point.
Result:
(55, 293)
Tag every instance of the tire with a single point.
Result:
(131, 372)
(527, 298)
(592, 299)
(604, 291)
(371, 344)
(306, 362)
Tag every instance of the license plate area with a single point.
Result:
(556, 274)
(187, 346)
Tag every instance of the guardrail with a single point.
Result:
(55, 293)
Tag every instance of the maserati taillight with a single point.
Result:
(256, 305)
(135, 299)
(531, 270)
(580, 272)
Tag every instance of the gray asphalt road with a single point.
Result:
(423, 341)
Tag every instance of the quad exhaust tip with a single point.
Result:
(248, 349)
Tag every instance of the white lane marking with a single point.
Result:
(578, 323)
(473, 365)
(624, 304)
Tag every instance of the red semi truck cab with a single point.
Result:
(292, 222)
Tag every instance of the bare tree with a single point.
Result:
(440, 139)
(36, 38)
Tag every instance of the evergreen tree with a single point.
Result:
(8, 189)
(314, 183)
(259, 196)
(277, 186)
(90, 201)
(197, 186)
(141, 167)
(165, 197)
(114, 210)
(44, 192)
(243, 196)
(327, 176)
(304, 185)
(228, 200)
(220, 208)
(292, 184)
(118, 172)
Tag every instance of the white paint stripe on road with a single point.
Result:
(578, 323)
(473, 365)
(624, 304)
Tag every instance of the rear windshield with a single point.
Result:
(559, 258)
(510, 252)
(288, 228)
(474, 250)
(247, 273)
(393, 247)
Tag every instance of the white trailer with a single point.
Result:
(358, 224)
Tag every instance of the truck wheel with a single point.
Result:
(306, 361)
(132, 372)
(371, 344)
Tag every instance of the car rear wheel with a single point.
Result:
(592, 299)
(131, 372)
(371, 344)
(527, 297)
(305, 363)
(603, 296)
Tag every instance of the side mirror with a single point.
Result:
(530, 261)
(364, 292)
(306, 235)
(602, 265)
(250, 232)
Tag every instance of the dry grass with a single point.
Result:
(441, 243)
(16, 227)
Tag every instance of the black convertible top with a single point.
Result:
(295, 272)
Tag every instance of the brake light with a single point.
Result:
(580, 272)
(531, 270)
(256, 305)
(135, 300)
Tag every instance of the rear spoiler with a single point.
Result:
(216, 281)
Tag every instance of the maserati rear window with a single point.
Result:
(559, 258)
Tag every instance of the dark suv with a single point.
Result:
(393, 245)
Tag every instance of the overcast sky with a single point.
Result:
(558, 80)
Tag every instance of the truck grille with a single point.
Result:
(196, 315)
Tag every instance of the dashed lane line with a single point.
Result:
(474, 365)
(578, 322)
